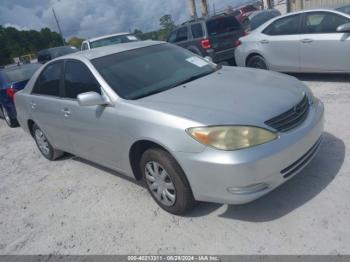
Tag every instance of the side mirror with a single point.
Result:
(345, 28)
(91, 99)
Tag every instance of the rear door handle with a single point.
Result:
(306, 40)
(32, 105)
(264, 41)
(66, 112)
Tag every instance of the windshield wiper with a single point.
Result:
(189, 79)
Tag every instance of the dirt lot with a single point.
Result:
(75, 207)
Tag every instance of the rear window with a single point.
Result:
(21, 73)
(222, 25)
(119, 39)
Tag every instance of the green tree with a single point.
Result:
(75, 41)
(167, 25)
(14, 43)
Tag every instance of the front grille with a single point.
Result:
(291, 118)
(297, 165)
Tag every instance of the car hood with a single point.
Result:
(230, 96)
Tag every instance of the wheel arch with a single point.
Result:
(30, 124)
(254, 53)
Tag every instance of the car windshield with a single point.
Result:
(344, 9)
(20, 73)
(222, 25)
(145, 71)
(119, 39)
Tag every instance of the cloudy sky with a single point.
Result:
(88, 18)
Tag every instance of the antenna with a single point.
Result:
(58, 25)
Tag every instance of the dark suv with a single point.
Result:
(215, 37)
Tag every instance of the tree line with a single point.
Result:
(16, 43)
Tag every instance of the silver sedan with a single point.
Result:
(190, 129)
(314, 41)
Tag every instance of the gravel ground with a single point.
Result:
(75, 207)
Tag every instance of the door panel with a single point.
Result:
(46, 113)
(92, 130)
(282, 52)
(280, 44)
(323, 49)
(44, 104)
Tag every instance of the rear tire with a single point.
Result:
(44, 146)
(258, 62)
(8, 119)
(166, 182)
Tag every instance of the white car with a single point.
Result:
(113, 39)
(312, 41)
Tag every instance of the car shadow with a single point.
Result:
(322, 77)
(108, 170)
(306, 185)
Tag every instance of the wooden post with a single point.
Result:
(193, 11)
(204, 7)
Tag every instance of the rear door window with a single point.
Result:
(323, 22)
(285, 26)
(197, 30)
(222, 25)
(78, 79)
(182, 34)
(48, 82)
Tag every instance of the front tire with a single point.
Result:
(8, 119)
(166, 182)
(44, 146)
(258, 62)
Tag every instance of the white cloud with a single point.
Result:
(88, 18)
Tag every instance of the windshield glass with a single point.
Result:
(119, 39)
(141, 72)
(21, 73)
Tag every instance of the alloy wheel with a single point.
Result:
(42, 142)
(6, 115)
(160, 183)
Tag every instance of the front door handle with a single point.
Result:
(306, 40)
(66, 112)
(33, 105)
(264, 41)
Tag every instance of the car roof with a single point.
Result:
(108, 50)
(315, 10)
(204, 19)
(106, 36)
(55, 48)
(303, 12)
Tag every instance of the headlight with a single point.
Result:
(231, 137)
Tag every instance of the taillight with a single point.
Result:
(237, 43)
(10, 92)
(206, 44)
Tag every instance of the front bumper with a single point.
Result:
(237, 177)
(240, 56)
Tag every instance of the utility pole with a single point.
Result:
(214, 10)
(204, 8)
(58, 25)
(192, 4)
